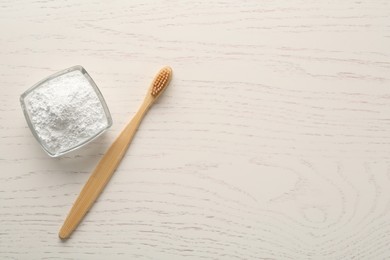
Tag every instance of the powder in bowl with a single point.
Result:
(65, 111)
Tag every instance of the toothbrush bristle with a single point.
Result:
(161, 81)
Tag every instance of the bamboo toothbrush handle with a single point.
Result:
(103, 172)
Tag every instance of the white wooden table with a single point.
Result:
(273, 141)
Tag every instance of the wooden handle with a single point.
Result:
(103, 172)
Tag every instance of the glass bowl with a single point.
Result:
(65, 111)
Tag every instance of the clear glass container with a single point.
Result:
(39, 123)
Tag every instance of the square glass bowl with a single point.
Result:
(65, 111)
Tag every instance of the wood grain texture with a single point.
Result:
(272, 142)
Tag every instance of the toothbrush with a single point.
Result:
(110, 161)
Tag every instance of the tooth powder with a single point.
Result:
(65, 111)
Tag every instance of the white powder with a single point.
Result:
(65, 111)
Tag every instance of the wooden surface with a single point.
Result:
(273, 141)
